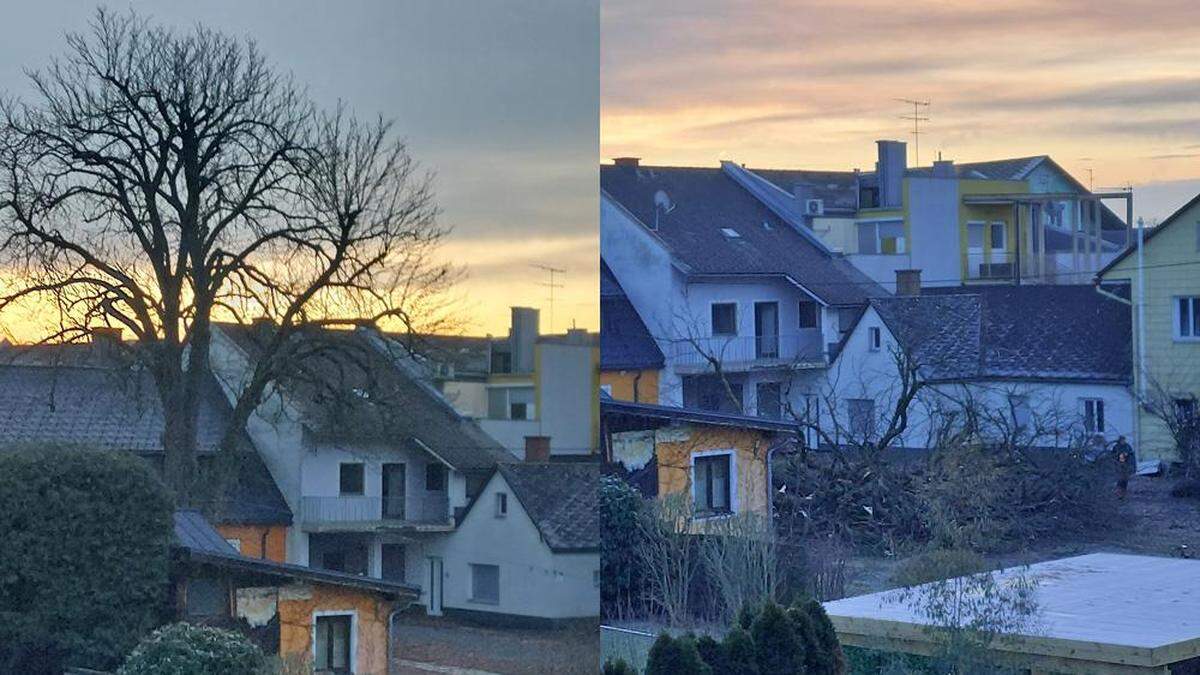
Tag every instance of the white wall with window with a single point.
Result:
(1187, 317)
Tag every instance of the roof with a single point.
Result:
(1043, 332)
(625, 342)
(1104, 607)
(119, 410)
(707, 201)
(837, 189)
(197, 541)
(357, 386)
(1170, 220)
(562, 501)
(649, 411)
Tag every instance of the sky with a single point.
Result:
(1102, 85)
(499, 99)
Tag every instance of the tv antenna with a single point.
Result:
(916, 118)
(550, 284)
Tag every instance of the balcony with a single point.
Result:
(427, 512)
(738, 353)
(990, 266)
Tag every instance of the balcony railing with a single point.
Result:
(430, 508)
(750, 351)
(996, 265)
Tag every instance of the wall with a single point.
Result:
(534, 581)
(674, 449)
(622, 384)
(568, 383)
(468, 398)
(1172, 268)
(933, 205)
(986, 213)
(252, 541)
(298, 603)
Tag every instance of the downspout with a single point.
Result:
(1141, 327)
(637, 383)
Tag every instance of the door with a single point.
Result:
(766, 330)
(393, 491)
(435, 586)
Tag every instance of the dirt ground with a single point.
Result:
(424, 645)
(1150, 522)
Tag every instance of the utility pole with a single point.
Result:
(551, 284)
(916, 118)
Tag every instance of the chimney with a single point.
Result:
(893, 160)
(943, 168)
(537, 448)
(628, 162)
(106, 337)
(522, 338)
(908, 283)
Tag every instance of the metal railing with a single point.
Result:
(426, 508)
(993, 265)
(750, 350)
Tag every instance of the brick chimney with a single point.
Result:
(537, 448)
(630, 162)
(106, 337)
(908, 282)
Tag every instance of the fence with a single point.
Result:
(631, 646)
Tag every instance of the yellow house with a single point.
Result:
(630, 358)
(1162, 288)
(722, 461)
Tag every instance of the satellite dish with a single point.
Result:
(662, 202)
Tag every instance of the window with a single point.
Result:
(435, 477)
(1018, 406)
(607, 389)
(1187, 318)
(392, 562)
(1185, 411)
(874, 338)
(997, 234)
(724, 318)
(770, 402)
(332, 646)
(206, 597)
(861, 412)
(711, 484)
(350, 478)
(485, 584)
(808, 314)
(511, 403)
(709, 392)
(885, 237)
(1093, 415)
(501, 504)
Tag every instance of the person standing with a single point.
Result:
(1126, 465)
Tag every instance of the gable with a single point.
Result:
(1175, 241)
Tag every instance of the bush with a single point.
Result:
(84, 565)
(740, 655)
(184, 649)
(780, 650)
(618, 667)
(937, 565)
(620, 576)
(675, 656)
(824, 652)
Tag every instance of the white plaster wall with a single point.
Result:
(933, 205)
(567, 380)
(468, 398)
(534, 581)
(511, 433)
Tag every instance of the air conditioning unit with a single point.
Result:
(814, 207)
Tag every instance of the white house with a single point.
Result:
(1047, 364)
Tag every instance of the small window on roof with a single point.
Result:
(730, 233)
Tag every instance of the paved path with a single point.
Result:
(423, 645)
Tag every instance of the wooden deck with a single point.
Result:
(1098, 613)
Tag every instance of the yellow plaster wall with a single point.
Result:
(674, 448)
(251, 538)
(624, 382)
(297, 605)
(986, 213)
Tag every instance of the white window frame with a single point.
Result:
(712, 329)
(991, 226)
(472, 597)
(733, 481)
(1097, 407)
(901, 242)
(1176, 301)
(501, 504)
(353, 633)
(530, 408)
(816, 314)
(874, 338)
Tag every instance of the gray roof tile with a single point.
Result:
(562, 500)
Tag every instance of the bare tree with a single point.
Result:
(159, 181)
(667, 549)
(1179, 411)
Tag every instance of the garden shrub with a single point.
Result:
(620, 565)
(84, 565)
(675, 656)
(185, 649)
(713, 654)
(778, 646)
(937, 565)
(739, 652)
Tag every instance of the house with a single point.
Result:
(1022, 219)
(330, 621)
(630, 359)
(1102, 613)
(528, 547)
(1160, 285)
(722, 461)
(382, 473)
(1044, 365)
(525, 389)
(84, 395)
(723, 280)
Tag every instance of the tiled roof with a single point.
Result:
(357, 386)
(625, 342)
(194, 532)
(706, 201)
(119, 410)
(838, 189)
(561, 498)
(1049, 332)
